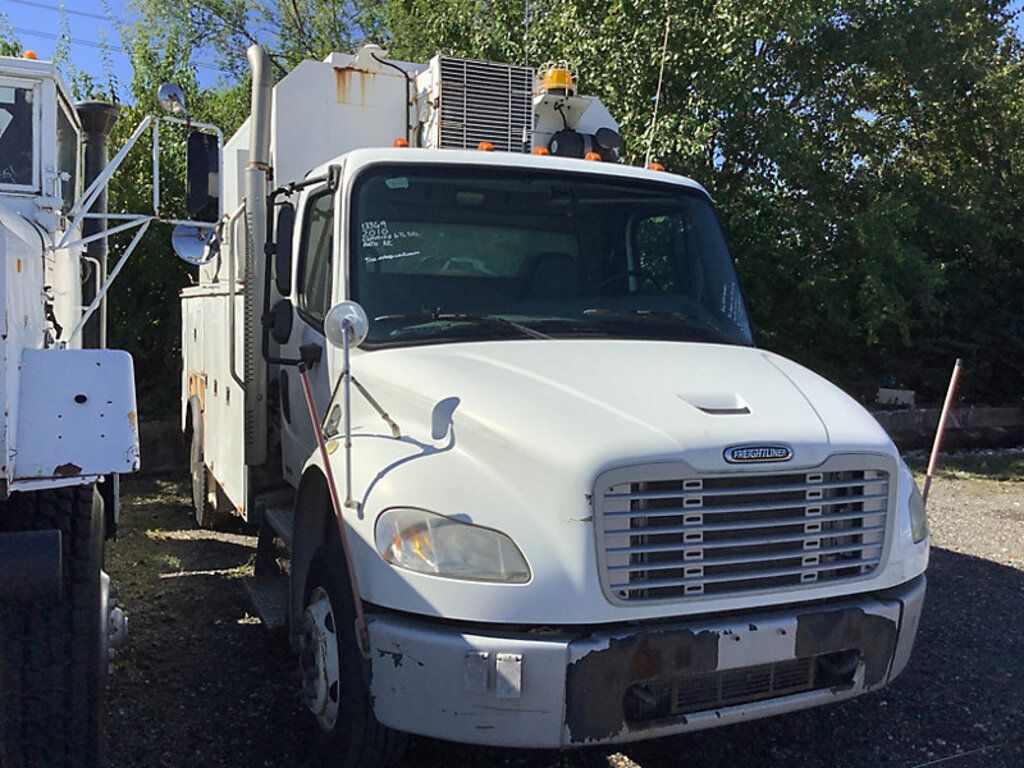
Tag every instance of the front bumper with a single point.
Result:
(560, 688)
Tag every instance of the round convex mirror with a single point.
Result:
(346, 313)
(194, 245)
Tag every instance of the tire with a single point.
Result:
(204, 513)
(356, 739)
(52, 654)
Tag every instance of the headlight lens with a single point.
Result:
(427, 543)
(918, 519)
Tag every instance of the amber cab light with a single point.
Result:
(485, 146)
(30, 55)
(400, 142)
(541, 151)
(655, 167)
(592, 156)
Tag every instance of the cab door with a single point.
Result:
(315, 261)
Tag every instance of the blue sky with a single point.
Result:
(37, 24)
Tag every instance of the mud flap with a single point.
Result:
(76, 418)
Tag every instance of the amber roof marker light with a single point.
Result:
(399, 142)
(593, 157)
(540, 151)
(30, 54)
(655, 167)
(485, 146)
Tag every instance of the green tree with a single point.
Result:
(9, 45)
(865, 155)
(143, 305)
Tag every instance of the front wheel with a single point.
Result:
(333, 674)
(53, 654)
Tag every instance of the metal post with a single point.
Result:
(98, 119)
(346, 394)
(933, 460)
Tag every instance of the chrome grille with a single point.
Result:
(485, 101)
(664, 535)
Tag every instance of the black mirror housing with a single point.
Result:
(202, 184)
(284, 230)
(281, 317)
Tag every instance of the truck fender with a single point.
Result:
(313, 522)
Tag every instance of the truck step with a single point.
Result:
(269, 597)
(280, 520)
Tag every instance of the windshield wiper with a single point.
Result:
(665, 316)
(492, 321)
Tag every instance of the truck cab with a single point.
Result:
(580, 505)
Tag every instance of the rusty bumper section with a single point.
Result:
(561, 689)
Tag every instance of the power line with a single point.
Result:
(101, 46)
(59, 9)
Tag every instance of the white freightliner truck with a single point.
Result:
(579, 506)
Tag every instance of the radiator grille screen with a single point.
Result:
(690, 537)
(485, 101)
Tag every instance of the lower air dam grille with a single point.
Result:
(714, 690)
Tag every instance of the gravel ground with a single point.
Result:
(203, 683)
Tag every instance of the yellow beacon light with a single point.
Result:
(557, 79)
(30, 55)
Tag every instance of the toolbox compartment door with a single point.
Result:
(76, 418)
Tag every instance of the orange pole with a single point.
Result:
(364, 633)
(933, 460)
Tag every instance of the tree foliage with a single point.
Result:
(865, 154)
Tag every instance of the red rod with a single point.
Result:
(364, 634)
(941, 430)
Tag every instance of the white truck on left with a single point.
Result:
(68, 423)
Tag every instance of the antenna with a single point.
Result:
(657, 94)
(526, 33)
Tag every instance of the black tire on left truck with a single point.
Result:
(52, 658)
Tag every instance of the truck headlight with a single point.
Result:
(428, 543)
(918, 519)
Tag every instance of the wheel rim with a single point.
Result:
(318, 660)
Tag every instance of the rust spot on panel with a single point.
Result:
(395, 656)
(349, 79)
(67, 470)
(197, 387)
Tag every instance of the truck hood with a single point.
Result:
(603, 402)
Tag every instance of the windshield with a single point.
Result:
(443, 254)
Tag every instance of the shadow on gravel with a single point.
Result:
(203, 684)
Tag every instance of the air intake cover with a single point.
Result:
(475, 101)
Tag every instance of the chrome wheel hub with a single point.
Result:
(113, 623)
(319, 669)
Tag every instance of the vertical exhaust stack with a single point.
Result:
(98, 119)
(258, 175)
